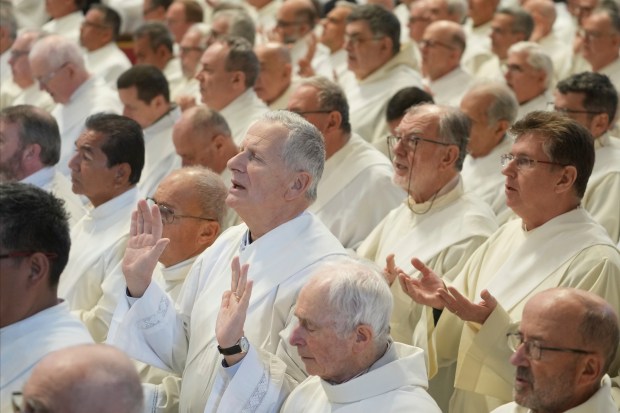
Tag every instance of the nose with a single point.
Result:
(510, 169)
(236, 162)
(518, 358)
(74, 162)
(296, 337)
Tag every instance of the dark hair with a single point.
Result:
(124, 141)
(381, 22)
(241, 57)
(34, 220)
(600, 95)
(34, 125)
(148, 80)
(523, 22)
(193, 11)
(404, 99)
(157, 33)
(111, 18)
(564, 141)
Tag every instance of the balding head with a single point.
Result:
(543, 13)
(275, 73)
(96, 378)
(442, 46)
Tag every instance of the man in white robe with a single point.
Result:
(356, 174)
(281, 242)
(591, 99)
(227, 85)
(29, 152)
(143, 89)
(274, 82)
(478, 31)
(342, 336)
(34, 243)
(562, 331)
(492, 108)
(105, 168)
(332, 36)
(377, 70)
(8, 34)
(58, 66)
(98, 34)
(66, 19)
(191, 48)
(555, 243)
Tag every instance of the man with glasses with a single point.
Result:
(356, 175)
(442, 46)
(591, 99)
(106, 166)
(34, 247)
(565, 343)
(193, 44)
(478, 31)
(98, 34)
(58, 66)
(181, 15)
(332, 36)
(555, 243)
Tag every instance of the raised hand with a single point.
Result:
(423, 290)
(144, 248)
(458, 304)
(390, 272)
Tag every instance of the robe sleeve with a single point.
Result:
(602, 203)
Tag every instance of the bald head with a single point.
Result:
(543, 13)
(275, 73)
(96, 378)
(442, 46)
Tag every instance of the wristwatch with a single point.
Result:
(242, 346)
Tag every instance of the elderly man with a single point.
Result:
(274, 81)
(591, 99)
(274, 181)
(29, 152)
(438, 222)
(227, 78)
(529, 73)
(555, 243)
(442, 47)
(153, 45)
(344, 306)
(66, 18)
(192, 46)
(478, 30)
(143, 89)
(34, 249)
(450, 10)
(100, 29)
(355, 174)
(377, 70)
(105, 167)
(491, 108)
(232, 20)
(181, 15)
(155, 10)
(58, 65)
(95, 374)
(565, 343)
(332, 36)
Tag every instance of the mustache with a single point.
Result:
(524, 373)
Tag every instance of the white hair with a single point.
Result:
(56, 51)
(536, 57)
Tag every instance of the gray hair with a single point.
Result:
(204, 119)
(504, 105)
(357, 294)
(381, 22)
(157, 33)
(536, 57)
(57, 50)
(7, 19)
(459, 8)
(241, 57)
(240, 23)
(523, 22)
(304, 149)
(210, 191)
(331, 97)
(203, 31)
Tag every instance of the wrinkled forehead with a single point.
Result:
(420, 122)
(267, 135)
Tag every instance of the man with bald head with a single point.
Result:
(274, 81)
(563, 348)
(96, 378)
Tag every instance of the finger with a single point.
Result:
(420, 266)
(448, 300)
(234, 267)
(225, 299)
(389, 262)
(160, 246)
(157, 224)
(133, 228)
(489, 300)
(142, 209)
(147, 217)
(243, 279)
(244, 302)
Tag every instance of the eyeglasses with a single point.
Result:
(310, 112)
(523, 162)
(285, 24)
(17, 401)
(512, 68)
(568, 112)
(533, 349)
(95, 25)
(356, 39)
(185, 50)
(168, 216)
(29, 406)
(23, 254)
(410, 142)
(44, 80)
(414, 20)
(434, 43)
(590, 36)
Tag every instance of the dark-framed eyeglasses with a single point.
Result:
(568, 112)
(533, 349)
(410, 142)
(95, 25)
(357, 39)
(523, 162)
(284, 24)
(168, 216)
(23, 254)
(435, 43)
(310, 112)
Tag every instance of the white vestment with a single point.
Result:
(339, 63)
(173, 73)
(353, 180)
(600, 402)
(5, 68)
(52, 181)
(612, 71)
(67, 26)
(107, 62)
(186, 87)
(30, 14)
(478, 50)
(281, 101)
(182, 339)
(93, 96)
(570, 250)
(450, 88)
(160, 157)
(491, 69)
(92, 281)
(130, 12)
(34, 96)
(560, 51)
(24, 343)
(241, 112)
(540, 102)
(321, 63)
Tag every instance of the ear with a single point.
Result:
(39, 269)
(567, 179)
(450, 157)
(500, 129)
(218, 140)
(600, 124)
(238, 80)
(386, 45)
(31, 153)
(208, 233)
(158, 101)
(334, 120)
(162, 52)
(591, 371)
(298, 187)
(121, 175)
(363, 338)
(287, 71)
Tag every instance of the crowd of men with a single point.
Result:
(308, 206)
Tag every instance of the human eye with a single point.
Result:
(523, 161)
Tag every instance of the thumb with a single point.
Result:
(489, 300)
(161, 245)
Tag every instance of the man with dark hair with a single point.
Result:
(34, 247)
(143, 89)
(153, 45)
(592, 100)
(227, 78)
(555, 243)
(376, 70)
(98, 34)
(401, 102)
(155, 10)
(181, 15)
(66, 18)
(106, 168)
(29, 152)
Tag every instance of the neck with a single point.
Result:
(441, 185)
(335, 142)
(547, 215)
(603, 61)
(259, 227)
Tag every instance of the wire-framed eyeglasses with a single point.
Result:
(523, 162)
(533, 349)
(410, 142)
(168, 216)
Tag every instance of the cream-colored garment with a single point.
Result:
(67, 26)
(242, 112)
(108, 62)
(450, 88)
(32, 95)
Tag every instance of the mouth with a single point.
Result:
(236, 185)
